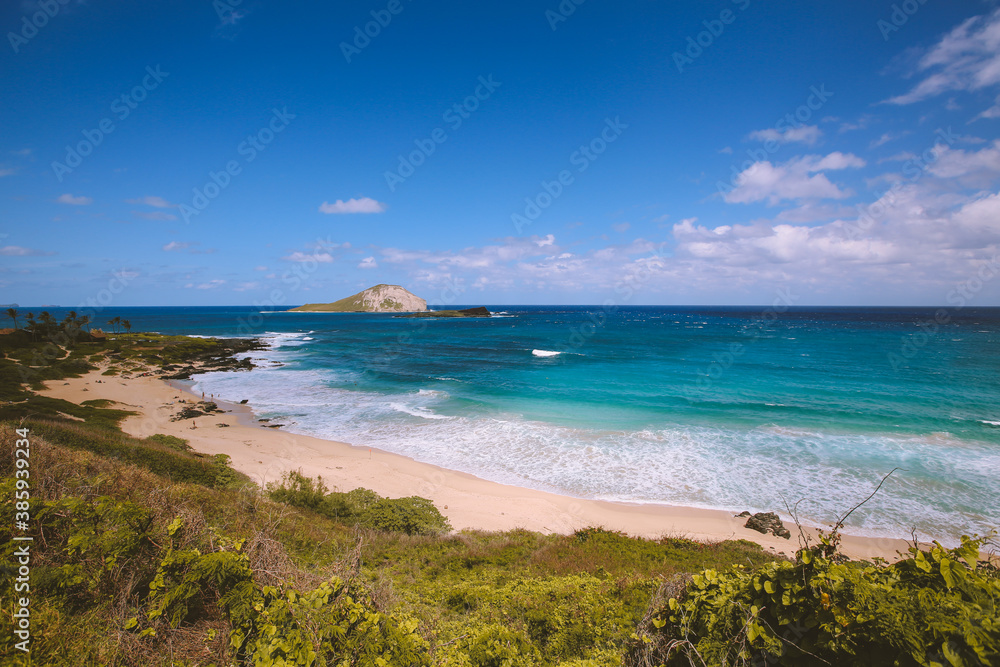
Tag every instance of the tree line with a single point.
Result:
(45, 326)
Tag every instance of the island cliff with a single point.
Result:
(377, 299)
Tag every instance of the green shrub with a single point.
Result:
(330, 625)
(171, 441)
(297, 490)
(561, 618)
(934, 608)
(491, 645)
(413, 516)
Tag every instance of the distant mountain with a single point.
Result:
(377, 299)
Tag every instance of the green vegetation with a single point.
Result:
(360, 507)
(934, 607)
(148, 553)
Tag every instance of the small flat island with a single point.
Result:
(481, 311)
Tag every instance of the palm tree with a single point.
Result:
(47, 323)
(114, 322)
(12, 314)
(84, 321)
(127, 325)
(32, 325)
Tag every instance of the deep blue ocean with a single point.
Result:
(730, 408)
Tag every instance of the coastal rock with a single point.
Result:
(481, 311)
(768, 522)
(377, 299)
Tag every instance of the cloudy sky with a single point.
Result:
(724, 152)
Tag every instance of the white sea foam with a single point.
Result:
(989, 423)
(714, 467)
(416, 411)
(545, 353)
(437, 393)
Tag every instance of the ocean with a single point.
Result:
(725, 408)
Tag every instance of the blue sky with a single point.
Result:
(727, 152)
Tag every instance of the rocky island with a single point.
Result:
(377, 299)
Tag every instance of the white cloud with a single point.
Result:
(363, 205)
(75, 201)
(793, 180)
(548, 240)
(728, 150)
(884, 139)
(992, 112)
(806, 134)
(862, 123)
(19, 251)
(368, 263)
(967, 58)
(260, 268)
(246, 286)
(621, 227)
(976, 169)
(158, 202)
(320, 257)
(154, 215)
(174, 246)
(899, 157)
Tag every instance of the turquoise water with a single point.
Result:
(712, 407)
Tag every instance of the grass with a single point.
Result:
(448, 583)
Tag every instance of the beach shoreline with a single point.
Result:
(470, 503)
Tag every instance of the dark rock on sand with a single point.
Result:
(767, 522)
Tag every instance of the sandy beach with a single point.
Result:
(265, 454)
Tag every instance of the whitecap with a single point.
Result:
(416, 411)
(545, 353)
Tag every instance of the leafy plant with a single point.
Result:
(413, 516)
(935, 607)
